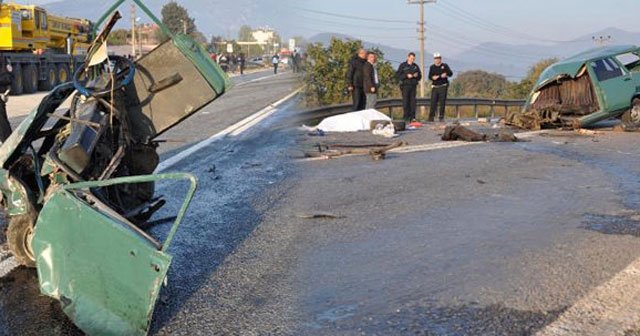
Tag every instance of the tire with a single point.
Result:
(16, 85)
(19, 235)
(29, 78)
(64, 74)
(51, 78)
(632, 116)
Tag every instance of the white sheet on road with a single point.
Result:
(351, 122)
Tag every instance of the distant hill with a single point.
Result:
(220, 17)
(509, 60)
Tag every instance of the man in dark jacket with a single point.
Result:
(371, 81)
(6, 77)
(355, 80)
(439, 74)
(409, 75)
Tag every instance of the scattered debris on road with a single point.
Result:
(457, 132)
(376, 151)
(320, 215)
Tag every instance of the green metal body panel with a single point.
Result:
(614, 95)
(106, 273)
(15, 196)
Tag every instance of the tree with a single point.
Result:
(119, 37)
(479, 84)
(522, 89)
(177, 18)
(326, 71)
(245, 34)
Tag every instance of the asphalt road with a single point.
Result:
(490, 239)
(23, 311)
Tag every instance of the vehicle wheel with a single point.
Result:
(19, 235)
(16, 85)
(29, 78)
(51, 78)
(632, 116)
(64, 74)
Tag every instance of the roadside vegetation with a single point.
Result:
(326, 68)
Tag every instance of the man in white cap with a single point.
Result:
(439, 74)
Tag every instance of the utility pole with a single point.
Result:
(421, 31)
(133, 30)
(184, 27)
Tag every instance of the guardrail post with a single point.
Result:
(457, 112)
(493, 110)
(391, 112)
(475, 110)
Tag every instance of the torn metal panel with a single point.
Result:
(582, 90)
(105, 271)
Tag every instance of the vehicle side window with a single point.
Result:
(629, 60)
(606, 69)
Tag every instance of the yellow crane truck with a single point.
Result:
(42, 48)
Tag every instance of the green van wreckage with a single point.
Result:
(78, 186)
(585, 89)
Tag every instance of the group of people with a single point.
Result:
(363, 84)
(229, 62)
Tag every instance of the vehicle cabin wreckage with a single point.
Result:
(78, 185)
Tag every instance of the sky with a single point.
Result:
(454, 25)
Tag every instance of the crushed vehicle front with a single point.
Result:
(78, 183)
(582, 90)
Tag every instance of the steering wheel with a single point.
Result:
(124, 70)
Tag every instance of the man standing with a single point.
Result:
(275, 60)
(6, 77)
(409, 75)
(439, 74)
(241, 62)
(355, 80)
(371, 81)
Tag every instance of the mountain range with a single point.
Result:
(224, 17)
(512, 61)
(220, 17)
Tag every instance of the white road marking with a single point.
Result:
(608, 310)
(257, 79)
(233, 130)
(8, 265)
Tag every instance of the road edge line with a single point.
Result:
(241, 125)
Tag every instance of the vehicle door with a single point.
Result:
(104, 270)
(614, 83)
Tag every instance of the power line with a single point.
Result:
(490, 26)
(351, 16)
(322, 21)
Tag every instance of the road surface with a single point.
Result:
(486, 239)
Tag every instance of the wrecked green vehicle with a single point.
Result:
(78, 186)
(582, 90)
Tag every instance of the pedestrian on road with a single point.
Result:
(241, 63)
(294, 62)
(439, 74)
(409, 75)
(275, 60)
(224, 62)
(6, 78)
(371, 81)
(355, 80)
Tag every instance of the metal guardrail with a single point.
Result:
(390, 104)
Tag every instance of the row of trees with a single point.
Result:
(482, 84)
(326, 69)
